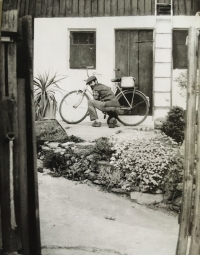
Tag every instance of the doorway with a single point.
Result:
(134, 57)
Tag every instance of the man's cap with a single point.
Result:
(91, 78)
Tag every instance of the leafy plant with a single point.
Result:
(45, 87)
(174, 125)
(144, 163)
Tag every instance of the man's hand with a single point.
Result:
(96, 94)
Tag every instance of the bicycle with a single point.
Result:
(134, 105)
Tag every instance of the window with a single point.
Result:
(180, 49)
(82, 49)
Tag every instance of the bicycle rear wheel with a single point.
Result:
(138, 112)
(74, 107)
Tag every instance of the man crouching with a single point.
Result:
(103, 97)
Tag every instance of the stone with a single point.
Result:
(87, 171)
(67, 144)
(92, 176)
(53, 145)
(146, 198)
(84, 144)
(103, 166)
(45, 148)
(119, 191)
(158, 122)
(97, 182)
(90, 157)
(59, 150)
(39, 163)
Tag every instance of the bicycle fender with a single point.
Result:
(139, 92)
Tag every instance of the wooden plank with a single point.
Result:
(182, 7)
(101, 8)
(148, 7)
(69, 7)
(32, 182)
(114, 8)
(127, 7)
(23, 188)
(121, 8)
(108, 7)
(76, 7)
(22, 8)
(95, 8)
(146, 63)
(62, 8)
(49, 8)
(88, 8)
(195, 245)
(189, 157)
(82, 8)
(38, 8)
(141, 7)
(176, 7)
(26, 9)
(153, 7)
(121, 53)
(56, 8)
(9, 21)
(13, 4)
(2, 68)
(44, 8)
(134, 7)
(32, 7)
(133, 55)
(188, 7)
(8, 110)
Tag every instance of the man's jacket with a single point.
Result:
(106, 95)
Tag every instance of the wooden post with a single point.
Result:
(9, 167)
(195, 243)
(32, 182)
(1, 4)
(185, 218)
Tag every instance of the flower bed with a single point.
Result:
(147, 165)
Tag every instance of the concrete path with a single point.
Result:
(81, 219)
(89, 133)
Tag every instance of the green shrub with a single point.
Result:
(69, 165)
(102, 149)
(144, 163)
(174, 125)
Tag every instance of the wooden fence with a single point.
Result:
(18, 165)
(93, 8)
(190, 211)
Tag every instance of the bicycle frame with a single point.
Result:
(121, 92)
(84, 91)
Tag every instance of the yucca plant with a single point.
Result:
(45, 102)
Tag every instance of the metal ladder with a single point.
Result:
(163, 57)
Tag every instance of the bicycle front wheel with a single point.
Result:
(135, 108)
(74, 107)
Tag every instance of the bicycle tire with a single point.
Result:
(139, 110)
(67, 105)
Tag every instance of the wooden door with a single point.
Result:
(134, 57)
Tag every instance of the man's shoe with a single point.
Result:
(96, 124)
(112, 123)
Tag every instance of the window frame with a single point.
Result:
(72, 64)
(179, 54)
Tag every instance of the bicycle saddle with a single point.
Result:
(116, 80)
